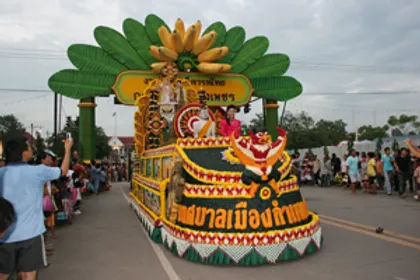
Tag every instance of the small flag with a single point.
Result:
(115, 113)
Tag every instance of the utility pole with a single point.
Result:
(55, 118)
(59, 114)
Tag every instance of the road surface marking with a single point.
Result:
(166, 264)
(373, 234)
(386, 232)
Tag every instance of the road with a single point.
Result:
(108, 242)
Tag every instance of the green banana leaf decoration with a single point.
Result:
(97, 67)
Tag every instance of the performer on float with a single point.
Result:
(180, 94)
(204, 127)
(166, 92)
(230, 124)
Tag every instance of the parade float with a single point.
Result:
(206, 198)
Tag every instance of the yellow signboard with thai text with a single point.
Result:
(215, 90)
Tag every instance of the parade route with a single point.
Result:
(108, 242)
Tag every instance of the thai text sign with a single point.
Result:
(215, 90)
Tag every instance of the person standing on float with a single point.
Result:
(230, 124)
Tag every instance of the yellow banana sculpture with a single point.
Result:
(157, 66)
(213, 54)
(189, 38)
(197, 31)
(192, 47)
(204, 42)
(168, 53)
(165, 37)
(180, 27)
(177, 41)
(210, 68)
(154, 51)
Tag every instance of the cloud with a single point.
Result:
(315, 34)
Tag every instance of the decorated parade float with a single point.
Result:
(207, 198)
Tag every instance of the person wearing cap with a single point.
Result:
(204, 127)
(230, 124)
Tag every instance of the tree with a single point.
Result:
(10, 128)
(330, 132)
(368, 132)
(39, 143)
(255, 123)
(102, 148)
(405, 124)
(379, 144)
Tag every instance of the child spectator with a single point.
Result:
(380, 177)
(363, 172)
(371, 172)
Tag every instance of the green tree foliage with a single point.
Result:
(404, 125)
(39, 143)
(379, 144)
(10, 128)
(102, 148)
(368, 132)
(304, 132)
(255, 123)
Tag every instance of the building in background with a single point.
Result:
(121, 147)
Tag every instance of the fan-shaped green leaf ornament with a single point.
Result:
(117, 46)
(137, 36)
(153, 22)
(235, 38)
(269, 65)
(250, 52)
(93, 59)
(220, 29)
(281, 88)
(78, 85)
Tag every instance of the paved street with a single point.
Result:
(108, 242)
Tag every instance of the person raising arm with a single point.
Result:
(21, 246)
(413, 149)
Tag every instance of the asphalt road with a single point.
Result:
(108, 242)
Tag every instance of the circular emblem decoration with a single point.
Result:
(157, 123)
(265, 193)
(186, 117)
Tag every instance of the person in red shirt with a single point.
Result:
(230, 124)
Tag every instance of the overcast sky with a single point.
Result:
(357, 60)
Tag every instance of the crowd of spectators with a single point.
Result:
(388, 171)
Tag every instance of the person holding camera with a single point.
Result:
(22, 246)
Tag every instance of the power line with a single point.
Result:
(24, 99)
(56, 54)
(24, 90)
